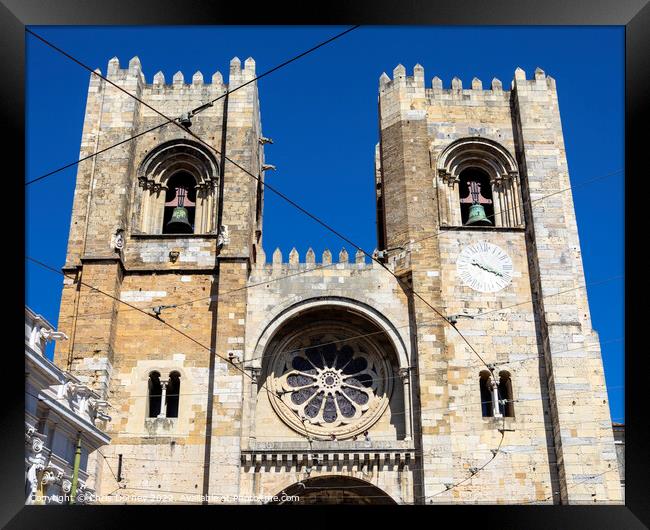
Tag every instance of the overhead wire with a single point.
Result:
(413, 292)
(168, 120)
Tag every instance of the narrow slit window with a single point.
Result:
(155, 395)
(173, 394)
(506, 405)
(486, 395)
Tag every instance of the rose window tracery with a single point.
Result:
(327, 385)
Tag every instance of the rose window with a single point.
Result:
(331, 386)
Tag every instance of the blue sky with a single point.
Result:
(321, 112)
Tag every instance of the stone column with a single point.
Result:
(255, 375)
(404, 374)
(494, 388)
(163, 400)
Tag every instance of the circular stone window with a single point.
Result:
(329, 382)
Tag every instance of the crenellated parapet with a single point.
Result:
(133, 73)
(343, 259)
(407, 97)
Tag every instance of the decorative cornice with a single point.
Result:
(353, 460)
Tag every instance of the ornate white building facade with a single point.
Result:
(60, 413)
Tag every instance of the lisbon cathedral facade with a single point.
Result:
(459, 365)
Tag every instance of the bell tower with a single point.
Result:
(171, 225)
(462, 178)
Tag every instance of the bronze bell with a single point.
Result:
(477, 216)
(179, 222)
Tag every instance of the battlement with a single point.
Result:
(345, 259)
(237, 76)
(415, 83)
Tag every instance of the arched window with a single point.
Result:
(496, 398)
(493, 169)
(155, 395)
(506, 405)
(173, 394)
(487, 407)
(180, 204)
(172, 165)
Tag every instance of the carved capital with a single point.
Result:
(447, 177)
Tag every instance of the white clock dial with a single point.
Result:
(484, 267)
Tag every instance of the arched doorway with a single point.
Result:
(333, 489)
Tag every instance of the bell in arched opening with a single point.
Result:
(180, 208)
(475, 213)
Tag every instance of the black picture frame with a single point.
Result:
(633, 14)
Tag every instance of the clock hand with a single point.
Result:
(486, 268)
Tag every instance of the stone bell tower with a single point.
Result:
(517, 277)
(120, 245)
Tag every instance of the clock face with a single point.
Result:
(484, 267)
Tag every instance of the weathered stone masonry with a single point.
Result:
(413, 424)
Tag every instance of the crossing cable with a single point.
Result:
(508, 362)
(315, 218)
(475, 472)
(94, 499)
(482, 314)
(495, 452)
(216, 495)
(195, 111)
(289, 200)
(420, 410)
(373, 333)
(585, 481)
(389, 438)
(494, 455)
(286, 198)
(503, 363)
(215, 298)
(576, 186)
(478, 315)
(189, 337)
(448, 487)
(524, 202)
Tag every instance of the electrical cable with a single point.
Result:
(344, 238)
(168, 120)
(285, 198)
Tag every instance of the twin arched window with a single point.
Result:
(177, 174)
(163, 395)
(496, 396)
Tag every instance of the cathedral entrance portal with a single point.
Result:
(333, 489)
